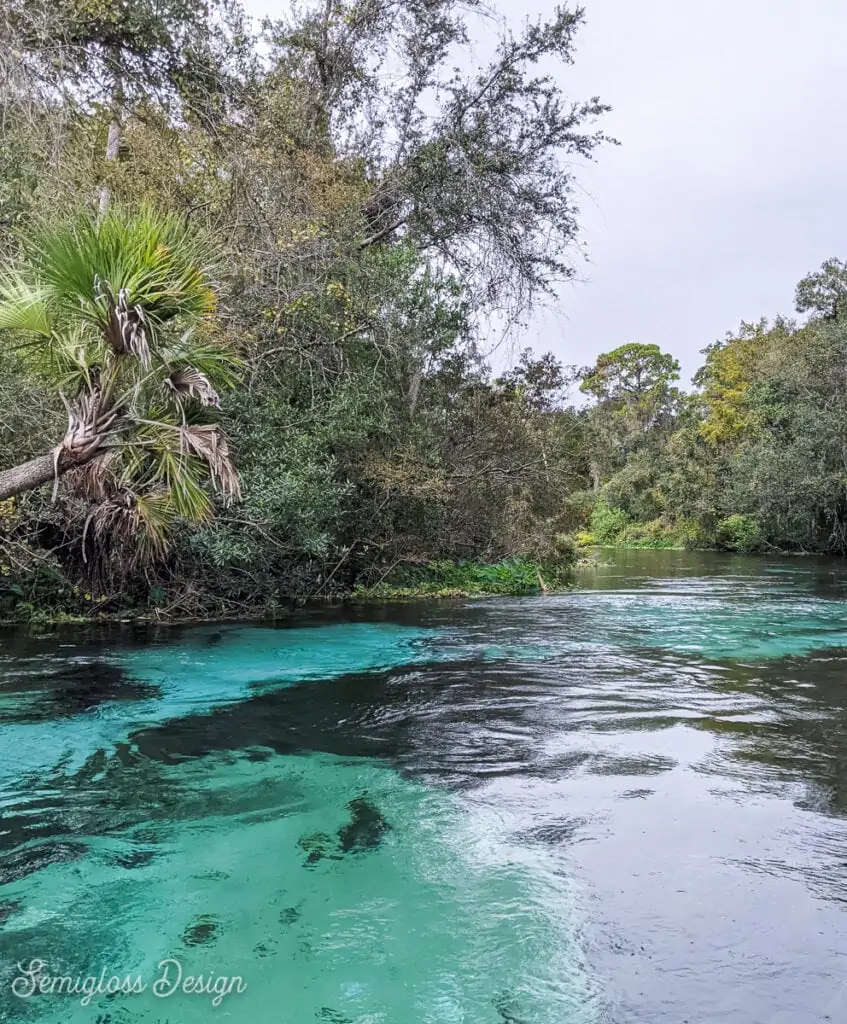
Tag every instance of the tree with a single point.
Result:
(822, 293)
(542, 382)
(633, 388)
(178, 54)
(726, 377)
(377, 205)
(634, 376)
(472, 168)
(786, 471)
(117, 314)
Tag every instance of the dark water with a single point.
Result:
(625, 804)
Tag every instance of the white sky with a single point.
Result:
(730, 182)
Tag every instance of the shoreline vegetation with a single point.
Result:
(512, 577)
(247, 275)
(443, 580)
(247, 283)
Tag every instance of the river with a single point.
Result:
(621, 805)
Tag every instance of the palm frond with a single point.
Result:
(114, 309)
(88, 422)
(206, 441)
(173, 468)
(137, 526)
(189, 382)
(71, 359)
(183, 478)
(99, 480)
(158, 514)
(23, 306)
(126, 327)
(129, 261)
(219, 363)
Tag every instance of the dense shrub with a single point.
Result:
(608, 524)
(739, 533)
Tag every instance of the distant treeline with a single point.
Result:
(754, 459)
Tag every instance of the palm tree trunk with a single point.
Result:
(42, 470)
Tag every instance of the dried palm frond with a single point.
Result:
(189, 381)
(116, 517)
(87, 423)
(206, 441)
(133, 526)
(126, 329)
(115, 527)
(87, 427)
(98, 480)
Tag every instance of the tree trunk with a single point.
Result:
(113, 140)
(37, 472)
(112, 148)
(415, 390)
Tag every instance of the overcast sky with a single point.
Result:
(731, 179)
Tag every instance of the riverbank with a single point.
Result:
(614, 528)
(511, 577)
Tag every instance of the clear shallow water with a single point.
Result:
(625, 804)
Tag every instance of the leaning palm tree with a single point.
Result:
(116, 314)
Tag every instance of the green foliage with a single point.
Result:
(608, 524)
(636, 402)
(577, 508)
(113, 312)
(473, 166)
(612, 527)
(822, 293)
(731, 369)
(661, 534)
(161, 262)
(175, 50)
(514, 576)
(739, 533)
(754, 458)
(633, 374)
(64, 288)
(371, 208)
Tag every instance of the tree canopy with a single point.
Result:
(246, 279)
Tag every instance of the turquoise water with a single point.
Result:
(235, 865)
(390, 933)
(211, 668)
(623, 804)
